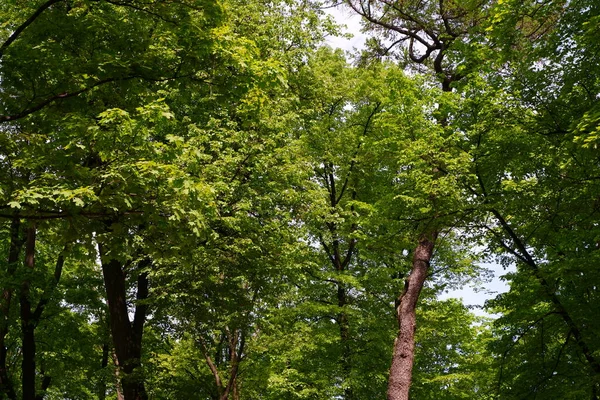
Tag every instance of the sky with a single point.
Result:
(470, 295)
(351, 20)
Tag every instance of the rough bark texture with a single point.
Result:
(404, 345)
(127, 336)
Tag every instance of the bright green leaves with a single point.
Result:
(152, 128)
(278, 191)
(533, 159)
(588, 129)
(450, 359)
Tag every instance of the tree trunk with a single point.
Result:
(127, 336)
(6, 387)
(236, 342)
(46, 381)
(404, 345)
(345, 338)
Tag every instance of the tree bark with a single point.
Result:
(127, 336)
(404, 345)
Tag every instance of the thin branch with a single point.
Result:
(327, 250)
(60, 215)
(211, 365)
(25, 24)
(60, 261)
(66, 95)
(353, 162)
(369, 17)
(61, 96)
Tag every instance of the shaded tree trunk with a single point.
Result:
(236, 342)
(29, 316)
(16, 243)
(126, 335)
(340, 259)
(404, 345)
(46, 380)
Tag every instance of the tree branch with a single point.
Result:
(60, 261)
(61, 96)
(25, 24)
(353, 162)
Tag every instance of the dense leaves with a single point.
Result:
(198, 199)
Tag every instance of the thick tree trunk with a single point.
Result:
(127, 336)
(28, 324)
(404, 345)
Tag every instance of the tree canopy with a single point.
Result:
(201, 199)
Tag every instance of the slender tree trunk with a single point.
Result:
(27, 323)
(236, 342)
(29, 317)
(6, 387)
(127, 336)
(404, 345)
(344, 326)
(103, 378)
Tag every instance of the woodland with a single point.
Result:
(199, 199)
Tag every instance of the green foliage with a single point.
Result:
(450, 360)
(276, 193)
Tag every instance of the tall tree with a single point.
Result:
(540, 197)
(431, 34)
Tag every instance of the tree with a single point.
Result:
(92, 95)
(537, 196)
(198, 200)
(437, 36)
(361, 128)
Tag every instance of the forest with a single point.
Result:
(201, 199)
